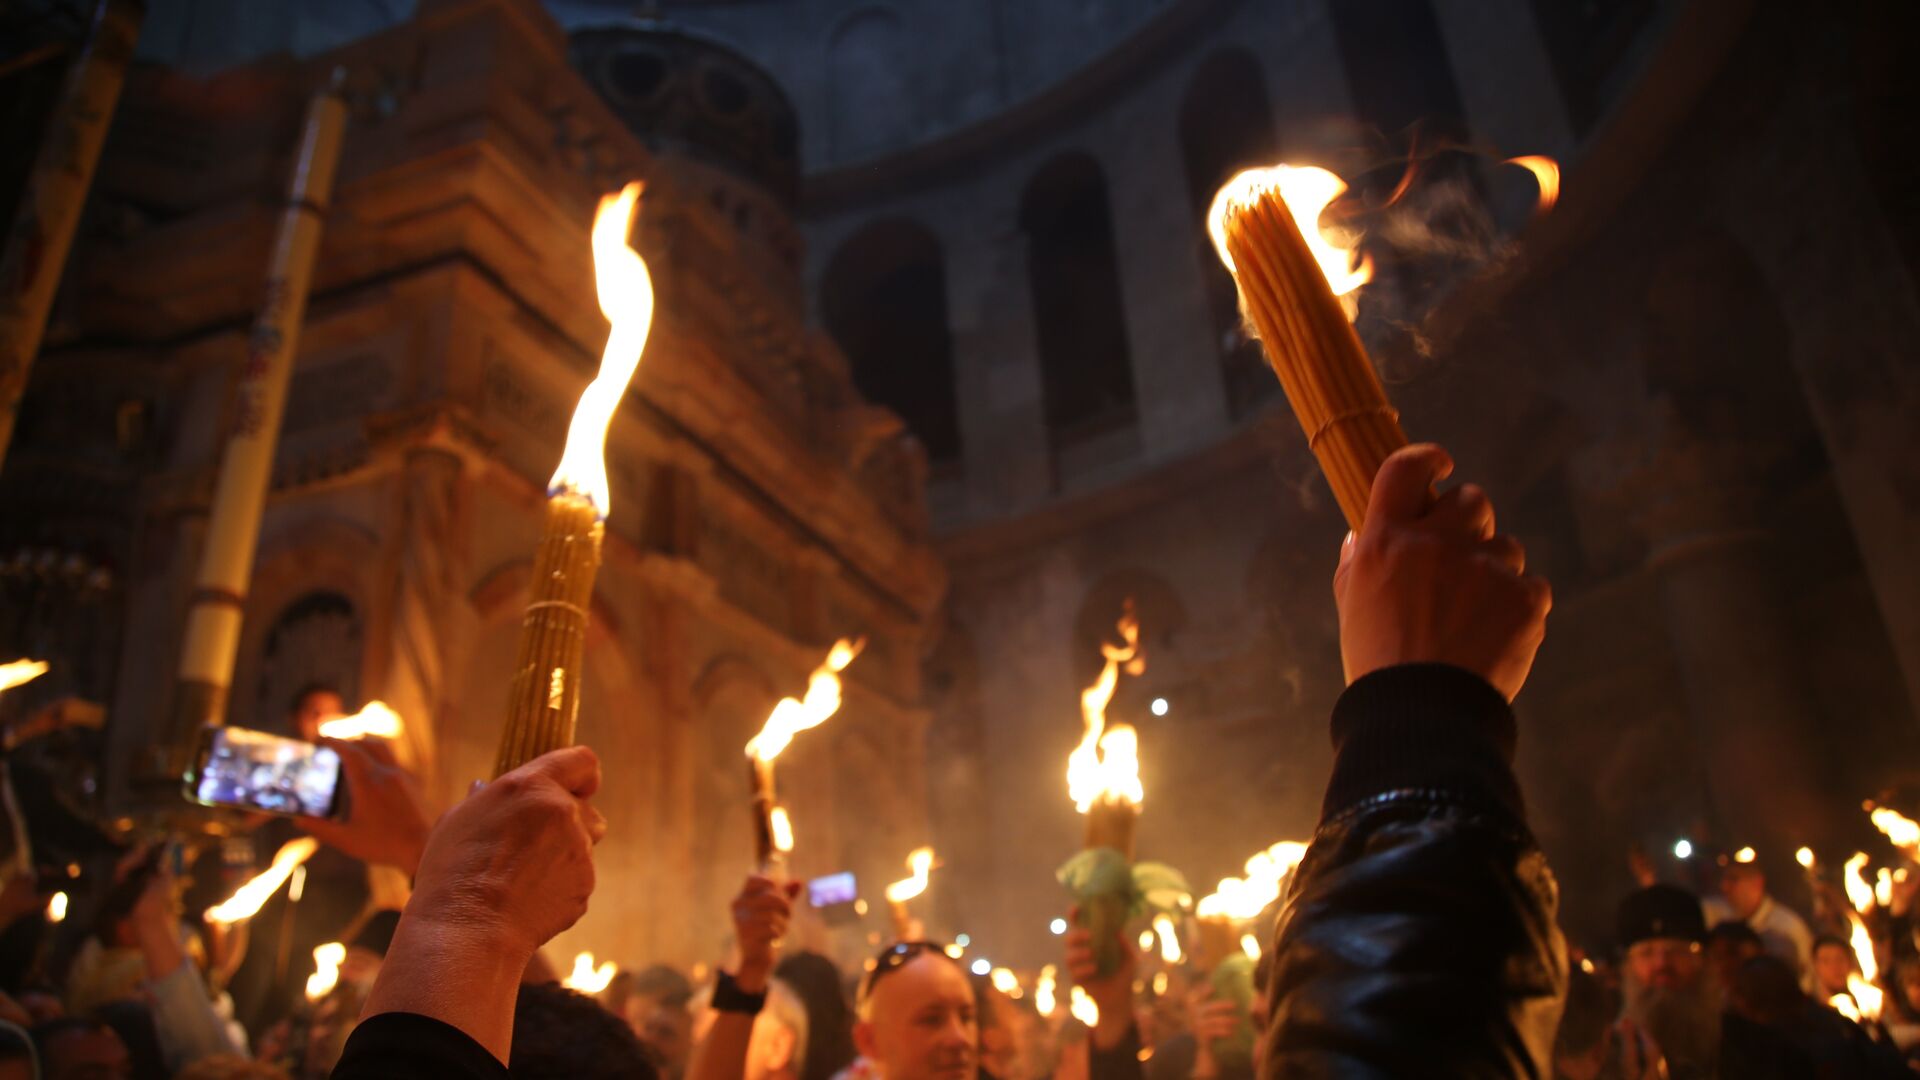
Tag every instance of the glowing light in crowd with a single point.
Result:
(1169, 936)
(248, 898)
(962, 940)
(1159, 706)
(1586, 965)
(20, 672)
(1745, 855)
(790, 716)
(1105, 767)
(587, 978)
(1043, 988)
(1546, 172)
(981, 966)
(782, 829)
(1160, 983)
(1804, 857)
(1683, 849)
(1245, 898)
(626, 299)
(1903, 831)
(1866, 998)
(1251, 946)
(1883, 887)
(1005, 981)
(1859, 893)
(1307, 191)
(956, 951)
(326, 970)
(1057, 927)
(57, 907)
(1146, 941)
(375, 719)
(1083, 1008)
(921, 863)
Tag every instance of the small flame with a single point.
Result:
(326, 970)
(1169, 936)
(1160, 984)
(57, 907)
(1005, 981)
(1245, 898)
(921, 863)
(1105, 767)
(586, 978)
(1251, 946)
(1883, 888)
(791, 717)
(20, 672)
(1804, 857)
(1745, 855)
(626, 299)
(375, 719)
(1082, 1007)
(246, 901)
(1859, 893)
(782, 830)
(1860, 984)
(1843, 1004)
(1043, 988)
(1307, 191)
(1546, 172)
(1903, 831)
(956, 951)
(1586, 965)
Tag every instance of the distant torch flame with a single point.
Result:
(20, 672)
(57, 907)
(375, 719)
(1251, 946)
(1106, 764)
(1082, 1007)
(1005, 981)
(782, 829)
(1883, 888)
(1859, 893)
(791, 717)
(1860, 984)
(1903, 831)
(626, 299)
(1745, 855)
(921, 863)
(1169, 936)
(1043, 987)
(1307, 191)
(586, 978)
(1245, 898)
(1546, 172)
(1804, 857)
(248, 898)
(326, 970)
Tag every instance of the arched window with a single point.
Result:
(884, 299)
(1585, 43)
(870, 104)
(316, 639)
(1078, 322)
(1397, 69)
(1226, 126)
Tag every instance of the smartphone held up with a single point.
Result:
(258, 771)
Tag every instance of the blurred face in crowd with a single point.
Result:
(1831, 965)
(1744, 887)
(1910, 986)
(315, 709)
(1665, 963)
(91, 1053)
(667, 1029)
(920, 1022)
(1727, 954)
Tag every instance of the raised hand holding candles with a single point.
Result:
(773, 830)
(543, 698)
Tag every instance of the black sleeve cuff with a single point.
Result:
(402, 1046)
(1431, 727)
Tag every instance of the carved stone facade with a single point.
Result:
(758, 511)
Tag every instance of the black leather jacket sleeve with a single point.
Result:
(1419, 938)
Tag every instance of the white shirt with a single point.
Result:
(1782, 932)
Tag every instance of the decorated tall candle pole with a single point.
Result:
(543, 697)
(772, 830)
(900, 892)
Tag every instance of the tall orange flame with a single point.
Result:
(626, 299)
(1106, 764)
(1307, 191)
(20, 672)
(921, 863)
(375, 719)
(1245, 898)
(791, 717)
(247, 900)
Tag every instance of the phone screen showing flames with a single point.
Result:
(253, 770)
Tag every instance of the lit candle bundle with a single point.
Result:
(773, 830)
(906, 889)
(544, 694)
(1103, 772)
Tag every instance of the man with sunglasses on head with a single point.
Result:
(1418, 940)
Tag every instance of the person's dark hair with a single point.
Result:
(664, 983)
(45, 1034)
(1824, 940)
(1738, 933)
(136, 1026)
(561, 1034)
(1766, 991)
(307, 690)
(829, 1018)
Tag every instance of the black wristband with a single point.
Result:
(728, 997)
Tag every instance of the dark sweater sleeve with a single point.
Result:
(405, 1046)
(1423, 727)
(1122, 1062)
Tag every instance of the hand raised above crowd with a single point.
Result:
(387, 820)
(761, 915)
(1429, 580)
(1112, 993)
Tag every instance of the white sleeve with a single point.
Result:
(187, 1023)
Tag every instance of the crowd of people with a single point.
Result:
(1417, 938)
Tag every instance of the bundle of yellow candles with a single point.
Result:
(543, 698)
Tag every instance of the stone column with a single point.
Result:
(1505, 76)
(429, 580)
(1753, 712)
